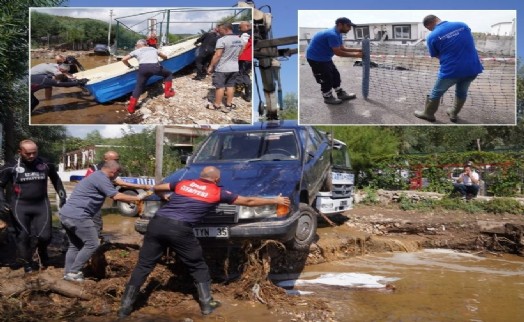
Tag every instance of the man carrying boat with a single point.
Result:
(148, 66)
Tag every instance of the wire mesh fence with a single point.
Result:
(406, 73)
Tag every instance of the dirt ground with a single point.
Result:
(241, 276)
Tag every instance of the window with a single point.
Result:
(361, 32)
(402, 32)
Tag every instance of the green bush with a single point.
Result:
(371, 197)
(504, 205)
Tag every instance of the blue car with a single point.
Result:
(263, 160)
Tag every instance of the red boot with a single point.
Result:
(132, 104)
(168, 91)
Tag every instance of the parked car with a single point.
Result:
(265, 160)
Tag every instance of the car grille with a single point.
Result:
(225, 214)
(342, 190)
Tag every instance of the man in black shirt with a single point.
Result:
(74, 64)
(205, 52)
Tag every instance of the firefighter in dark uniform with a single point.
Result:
(205, 52)
(29, 205)
(172, 226)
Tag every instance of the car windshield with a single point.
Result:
(249, 146)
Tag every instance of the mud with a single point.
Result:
(242, 277)
(189, 106)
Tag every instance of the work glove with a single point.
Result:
(62, 202)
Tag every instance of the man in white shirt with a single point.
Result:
(468, 183)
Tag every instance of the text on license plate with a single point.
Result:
(217, 232)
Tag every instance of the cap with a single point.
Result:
(344, 21)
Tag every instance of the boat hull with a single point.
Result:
(112, 88)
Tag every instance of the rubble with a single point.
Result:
(189, 105)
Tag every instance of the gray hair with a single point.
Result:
(141, 42)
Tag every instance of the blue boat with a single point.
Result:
(115, 80)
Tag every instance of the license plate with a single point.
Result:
(344, 203)
(212, 232)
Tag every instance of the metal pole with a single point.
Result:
(167, 27)
(109, 31)
(159, 152)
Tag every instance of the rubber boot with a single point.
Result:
(207, 304)
(132, 104)
(429, 112)
(453, 111)
(128, 299)
(168, 91)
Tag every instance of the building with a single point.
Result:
(400, 33)
(503, 28)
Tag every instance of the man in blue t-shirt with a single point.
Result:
(172, 226)
(323, 46)
(452, 43)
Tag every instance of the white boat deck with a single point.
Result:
(112, 70)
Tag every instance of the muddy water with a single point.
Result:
(76, 106)
(430, 285)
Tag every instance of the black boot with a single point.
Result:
(247, 93)
(207, 304)
(128, 299)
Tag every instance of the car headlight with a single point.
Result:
(257, 212)
(268, 211)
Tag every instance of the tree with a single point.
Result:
(14, 104)
(365, 144)
(290, 109)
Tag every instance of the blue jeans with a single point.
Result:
(443, 84)
(83, 242)
(465, 190)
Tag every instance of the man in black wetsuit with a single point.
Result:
(205, 52)
(29, 206)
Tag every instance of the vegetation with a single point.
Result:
(495, 206)
(14, 94)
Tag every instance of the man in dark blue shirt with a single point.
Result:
(172, 227)
(453, 44)
(324, 45)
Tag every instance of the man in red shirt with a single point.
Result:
(245, 60)
(172, 226)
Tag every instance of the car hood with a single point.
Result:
(250, 178)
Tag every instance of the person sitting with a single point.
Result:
(467, 183)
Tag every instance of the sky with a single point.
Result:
(106, 131)
(477, 20)
(285, 15)
(182, 21)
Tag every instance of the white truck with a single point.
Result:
(339, 197)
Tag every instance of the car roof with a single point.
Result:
(262, 126)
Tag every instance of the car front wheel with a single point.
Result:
(128, 209)
(306, 230)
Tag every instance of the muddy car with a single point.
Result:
(264, 160)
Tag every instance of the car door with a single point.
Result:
(317, 160)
